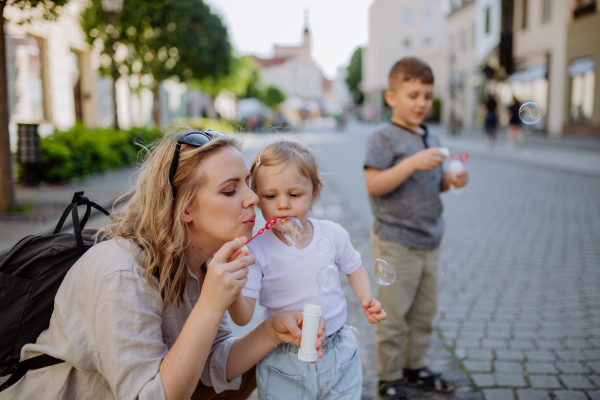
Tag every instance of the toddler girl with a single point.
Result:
(285, 176)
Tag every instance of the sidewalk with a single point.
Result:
(579, 155)
(51, 200)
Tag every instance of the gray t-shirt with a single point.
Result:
(412, 213)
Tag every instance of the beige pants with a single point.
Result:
(410, 303)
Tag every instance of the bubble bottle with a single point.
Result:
(310, 328)
(455, 166)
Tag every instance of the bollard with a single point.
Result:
(28, 153)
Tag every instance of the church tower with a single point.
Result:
(306, 42)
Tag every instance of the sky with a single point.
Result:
(337, 27)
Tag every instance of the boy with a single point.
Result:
(404, 178)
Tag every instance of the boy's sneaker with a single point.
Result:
(393, 390)
(423, 378)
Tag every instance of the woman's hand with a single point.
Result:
(287, 327)
(226, 275)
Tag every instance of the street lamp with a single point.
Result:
(112, 8)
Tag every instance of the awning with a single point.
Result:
(581, 65)
(530, 74)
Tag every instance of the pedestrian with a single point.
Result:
(515, 133)
(491, 120)
(404, 178)
(285, 176)
(142, 314)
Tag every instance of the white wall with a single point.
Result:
(486, 42)
(296, 77)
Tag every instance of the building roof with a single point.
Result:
(268, 62)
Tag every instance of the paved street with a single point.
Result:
(520, 265)
(519, 305)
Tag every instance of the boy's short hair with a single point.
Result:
(410, 68)
(283, 152)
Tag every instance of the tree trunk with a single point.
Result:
(156, 106)
(7, 188)
(113, 71)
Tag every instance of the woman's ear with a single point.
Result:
(187, 216)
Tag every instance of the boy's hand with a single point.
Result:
(373, 310)
(460, 180)
(427, 159)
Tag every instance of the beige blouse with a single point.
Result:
(113, 330)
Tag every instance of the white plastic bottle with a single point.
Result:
(444, 151)
(310, 327)
(455, 167)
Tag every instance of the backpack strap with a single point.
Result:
(78, 199)
(41, 361)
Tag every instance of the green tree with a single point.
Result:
(355, 76)
(272, 97)
(45, 9)
(179, 39)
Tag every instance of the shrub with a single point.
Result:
(219, 125)
(79, 152)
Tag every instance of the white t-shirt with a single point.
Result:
(285, 278)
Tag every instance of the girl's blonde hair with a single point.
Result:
(287, 152)
(151, 217)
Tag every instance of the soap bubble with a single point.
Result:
(293, 232)
(383, 272)
(530, 113)
(350, 337)
(324, 246)
(328, 278)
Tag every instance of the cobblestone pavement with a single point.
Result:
(519, 304)
(519, 296)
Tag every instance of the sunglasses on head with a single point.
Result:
(196, 139)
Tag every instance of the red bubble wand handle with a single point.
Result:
(462, 157)
(270, 223)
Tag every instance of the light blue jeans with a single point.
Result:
(338, 375)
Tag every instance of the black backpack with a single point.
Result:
(30, 275)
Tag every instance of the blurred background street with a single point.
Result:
(85, 85)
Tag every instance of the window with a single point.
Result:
(35, 76)
(524, 8)
(473, 35)
(428, 17)
(546, 7)
(407, 17)
(75, 75)
(488, 12)
(452, 44)
(583, 79)
(407, 43)
(463, 40)
(584, 7)
(426, 41)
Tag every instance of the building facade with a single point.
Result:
(582, 84)
(50, 71)
(293, 70)
(397, 29)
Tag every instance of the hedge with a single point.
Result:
(80, 151)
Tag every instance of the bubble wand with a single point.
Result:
(462, 157)
(270, 223)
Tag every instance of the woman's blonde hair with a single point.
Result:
(151, 217)
(287, 152)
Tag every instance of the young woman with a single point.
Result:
(142, 314)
